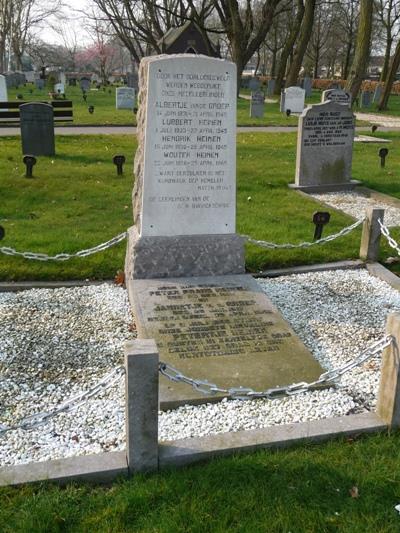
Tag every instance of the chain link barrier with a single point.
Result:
(64, 257)
(32, 421)
(386, 233)
(203, 386)
(329, 238)
(245, 393)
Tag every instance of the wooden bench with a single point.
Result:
(62, 111)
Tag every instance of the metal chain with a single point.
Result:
(385, 232)
(64, 257)
(272, 245)
(245, 393)
(32, 421)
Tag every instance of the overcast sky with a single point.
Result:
(75, 21)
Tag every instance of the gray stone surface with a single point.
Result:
(188, 255)
(141, 401)
(366, 98)
(186, 451)
(3, 89)
(124, 98)
(307, 86)
(270, 87)
(294, 100)
(220, 328)
(257, 104)
(37, 129)
(99, 468)
(337, 95)
(325, 148)
(84, 84)
(39, 84)
(254, 84)
(377, 94)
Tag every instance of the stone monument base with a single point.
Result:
(328, 187)
(183, 256)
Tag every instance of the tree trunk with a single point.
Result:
(304, 38)
(287, 49)
(383, 102)
(386, 61)
(363, 44)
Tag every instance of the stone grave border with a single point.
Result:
(144, 452)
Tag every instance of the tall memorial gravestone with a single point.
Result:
(84, 84)
(124, 98)
(337, 95)
(366, 97)
(257, 104)
(185, 263)
(377, 94)
(37, 129)
(293, 99)
(307, 86)
(254, 84)
(325, 148)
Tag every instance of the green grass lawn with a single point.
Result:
(301, 490)
(76, 201)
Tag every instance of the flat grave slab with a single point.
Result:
(220, 328)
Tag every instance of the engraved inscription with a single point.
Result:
(329, 128)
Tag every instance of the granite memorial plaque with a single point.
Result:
(254, 84)
(223, 329)
(293, 100)
(84, 84)
(325, 148)
(37, 129)
(337, 95)
(257, 104)
(124, 98)
(184, 197)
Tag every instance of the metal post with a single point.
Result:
(371, 234)
(141, 389)
(388, 405)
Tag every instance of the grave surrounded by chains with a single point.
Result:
(185, 263)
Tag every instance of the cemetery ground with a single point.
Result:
(346, 485)
(76, 201)
(67, 206)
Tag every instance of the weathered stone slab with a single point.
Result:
(185, 165)
(293, 100)
(257, 104)
(325, 148)
(125, 98)
(337, 95)
(377, 94)
(307, 86)
(37, 129)
(3, 89)
(270, 87)
(366, 98)
(222, 329)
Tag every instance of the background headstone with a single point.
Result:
(366, 97)
(84, 84)
(62, 77)
(59, 88)
(132, 80)
(377, 94)
(254, 84)
(37, 129)
(325, 148)
(270, 87)
(3, 89)
(282, 102)
(124, 98)
(294, 99)
(40, 84)
(337, 95)
(257, 104)
(307, 86)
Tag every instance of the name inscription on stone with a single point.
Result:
(328, 128)
(189, 164)
(227, 332)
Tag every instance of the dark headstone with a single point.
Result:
(37, 129)
(85, 84)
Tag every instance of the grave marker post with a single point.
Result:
(388, 404)
(371, 235)
(141, 401)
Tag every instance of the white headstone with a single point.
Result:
(3, 89)
(337, 95)
(188, 164)
(125, 98)
(325, 147)
(294, 99)
(59, 88)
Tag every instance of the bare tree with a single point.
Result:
(363, 45)
(5, 25)
(388, 14)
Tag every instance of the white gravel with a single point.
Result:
(55, 343)
(355, 205)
